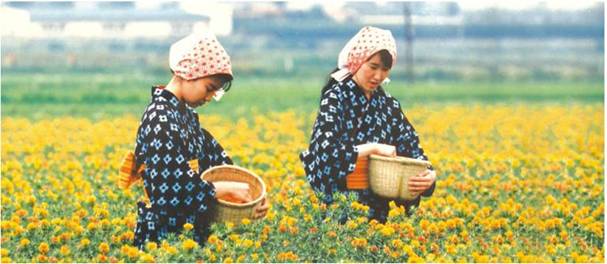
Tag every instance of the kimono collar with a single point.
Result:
(158, 91)
(358, 92)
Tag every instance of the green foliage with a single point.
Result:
(100, 95)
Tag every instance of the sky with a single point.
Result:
(465, 4)
(473, 5)
(220, 12)
(517, 5)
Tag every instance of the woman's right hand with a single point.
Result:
(238, 192)
(376, 148)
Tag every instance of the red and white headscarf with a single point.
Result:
(199, 55)
(368, 41)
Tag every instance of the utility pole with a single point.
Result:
(408, 43)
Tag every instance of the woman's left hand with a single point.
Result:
(262, 209)
(421, 182)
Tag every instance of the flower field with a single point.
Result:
(516, 183)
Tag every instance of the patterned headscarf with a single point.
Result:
(368, 41)
(199, 55)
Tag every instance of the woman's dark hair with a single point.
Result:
(384, 56)
(330, 82)
(225, 79)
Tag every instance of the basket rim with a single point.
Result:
(400, 159)
(238, 205)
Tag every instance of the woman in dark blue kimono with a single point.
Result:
(357, 117)
(172, 149)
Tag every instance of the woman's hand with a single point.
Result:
(238, 192)
(262, 209)
(421, 182)
(376, 148)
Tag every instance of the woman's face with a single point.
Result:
(371, 74)
(200, 91)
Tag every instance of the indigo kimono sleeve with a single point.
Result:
(407, 143)
(330, 156)
(214, 154)
(172, 185)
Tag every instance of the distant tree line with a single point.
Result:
(328, 29)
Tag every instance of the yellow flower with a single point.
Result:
(65, 250)
(146, 258)
(32, 226)
(359, 242)
(307, 218)
(387, 231)
(396, 243)
(104, 248)
(351, 224)
(188, 227)
(92, 226)
(24, 242)
(150, 246)
(127, 236)
(21, 212)
(43, 248)
(247, 243)
(84, 242)
(132, 252)
(173, 250)
(287, 256)
(271, 215)
(213, 239)
(189, 244)
(550, 160)
(451, 249)
(361, 220)
(235, 238)
(424, 224)
(394, 213)
(359, 207)
(102, 258)
(245, 221)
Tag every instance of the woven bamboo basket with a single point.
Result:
(228, 211)
(388, 176)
